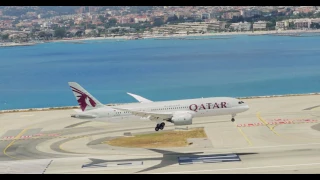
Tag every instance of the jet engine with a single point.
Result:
(182, 119)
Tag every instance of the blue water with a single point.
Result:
(37, 76)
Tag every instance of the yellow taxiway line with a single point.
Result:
(244, 135)
(266, 124)
(12, 142)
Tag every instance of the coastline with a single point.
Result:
(166, 36)
(193, 35)
(13, 44)
(76, 107)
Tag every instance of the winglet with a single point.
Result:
(139, 98)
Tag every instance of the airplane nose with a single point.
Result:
(246, 107)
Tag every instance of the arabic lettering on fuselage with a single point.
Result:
(197, 107)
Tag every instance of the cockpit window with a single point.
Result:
(240, 102)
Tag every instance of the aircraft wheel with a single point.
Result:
(162, 125)
(232, 120)
(157, 129)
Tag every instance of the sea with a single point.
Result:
(159, 69)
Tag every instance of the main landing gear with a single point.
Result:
(160, 126)
(232, 119)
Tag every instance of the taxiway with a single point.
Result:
(277, 135)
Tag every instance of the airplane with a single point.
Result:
(178, 112)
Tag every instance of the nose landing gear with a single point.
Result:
(232, 119)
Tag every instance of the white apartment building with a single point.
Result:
(260, 25)
(241, 26)
(282, 24)
(195, 27)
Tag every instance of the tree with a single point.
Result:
(78, 33)
(42, 34)
(173, 19)
(227, 25)
(315, 25)
(102, 19)
(71, 22)
(94, 33)
(115, 31)
(5, 36)
(317, 15)
(291, 25)
(271, 25)
(60, 32)
(91, 26)
(112, 21)
(158, 22)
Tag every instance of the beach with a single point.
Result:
(166, 36)
(196, 35)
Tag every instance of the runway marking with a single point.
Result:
(24, 137)
(12, 132)
(244, 135)
(12, 142)
(8, 137)
(51, 137)
(265, 123)
(32, 136)
(250, 125)
(47, 167)
(246, 168)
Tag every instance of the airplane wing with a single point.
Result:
(150, 115)
(139, 98)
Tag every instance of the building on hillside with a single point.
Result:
(250, 13)
(302, 23)
(241, 26)
(195, 27)
(282, 25)
(205, 16)
(260, 25)
(140, 19)
(230, 15)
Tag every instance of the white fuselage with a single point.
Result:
(201, 107)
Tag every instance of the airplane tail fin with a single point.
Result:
(84, 98)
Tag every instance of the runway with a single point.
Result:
(277, 135)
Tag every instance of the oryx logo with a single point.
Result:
(83, 99)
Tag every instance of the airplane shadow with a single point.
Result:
(168, 158)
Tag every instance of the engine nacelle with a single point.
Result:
(182, 119)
